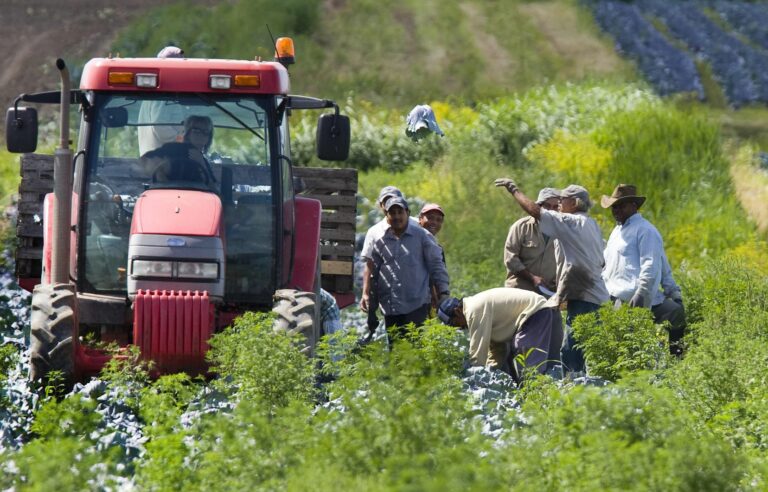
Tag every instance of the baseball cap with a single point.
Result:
(575, 191)
(430, 207)
(396, 201)
(389, 191)
(447, 309)
(545, 194)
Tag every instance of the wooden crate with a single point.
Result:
(36, 181)
(335, 188)
(337, 191)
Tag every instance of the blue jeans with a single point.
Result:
(570, 353)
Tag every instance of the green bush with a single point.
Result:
(621, 341)
(262, 365)
(622, 437)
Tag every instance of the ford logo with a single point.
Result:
(176, 241)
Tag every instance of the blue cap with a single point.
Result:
(447, 309)
(396, 201)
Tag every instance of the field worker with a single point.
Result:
(635, 261)
(529, 255)
(504, 315)
(371, 304)
(406, 261)
(579, 255)
(431, 218)
(671, 309)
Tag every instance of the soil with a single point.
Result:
(37, 32)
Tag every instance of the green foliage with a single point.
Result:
(165, 400)
(71, 417)
(64, 463)
(722, 377)
(624, 437)
(129, 374)
(264, 366)
(621, 341)
(9, 356)
(9, 176)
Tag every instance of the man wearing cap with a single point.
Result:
(635, 263)
(579, 255)
(529, 255)
(431, 218)
(371, 304)
(504, 315)
(406, 261)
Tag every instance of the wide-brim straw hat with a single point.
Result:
(622, 193)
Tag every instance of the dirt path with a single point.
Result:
(751, 186)
(36, 32)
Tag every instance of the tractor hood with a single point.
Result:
(177, 212)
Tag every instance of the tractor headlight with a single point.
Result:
(189, 270)
(152, 268)
(198, 270)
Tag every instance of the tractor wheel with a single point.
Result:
(53, 332)
(298, 313)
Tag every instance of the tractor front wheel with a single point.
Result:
(298, 313)
(53, 332)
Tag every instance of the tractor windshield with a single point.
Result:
(139, 141)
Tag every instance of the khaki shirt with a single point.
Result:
(496, 315)
(528, 249)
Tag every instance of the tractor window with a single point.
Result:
(142, 141)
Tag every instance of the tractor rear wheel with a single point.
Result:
(298, 313)
(53, 332)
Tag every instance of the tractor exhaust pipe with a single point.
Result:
(62, 187)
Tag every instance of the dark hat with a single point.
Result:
(396, 201)
(447, 309)
(622, 193)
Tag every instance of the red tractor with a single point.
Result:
(177, 212)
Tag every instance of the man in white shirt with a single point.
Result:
(579, 255)
(636, 266)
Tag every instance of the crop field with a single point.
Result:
(417, 417)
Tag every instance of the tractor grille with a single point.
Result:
(172, 328)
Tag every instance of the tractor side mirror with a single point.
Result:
(21, 130)
(333, 137)
(114, 117)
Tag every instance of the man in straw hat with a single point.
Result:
(636, 267)
(579, 254)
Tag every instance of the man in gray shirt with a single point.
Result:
(406, 260)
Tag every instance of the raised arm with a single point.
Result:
(529, 206)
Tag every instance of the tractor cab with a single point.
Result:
(162, 169)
